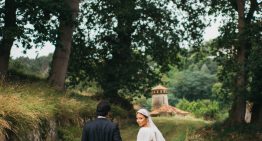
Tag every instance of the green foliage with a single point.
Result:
(119, 61)
(220, 94)
(37, 67)
(172, 100)
(192, 85)
(201, 58)
(127, 45)
(38, 15)
(43, 16)
(238, 33)
(201, 108)
(225, 132)
(69, 133)
(256, 77)
(196, 76)
(236, 48)
(142, 101)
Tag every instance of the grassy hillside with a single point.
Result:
(27, 106)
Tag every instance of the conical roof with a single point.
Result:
(159, 87)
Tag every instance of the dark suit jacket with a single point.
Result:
(101, 129)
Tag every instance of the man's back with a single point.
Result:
(101, 129)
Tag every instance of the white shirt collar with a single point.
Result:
(101, 117)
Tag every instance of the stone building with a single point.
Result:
(159, 97)
(160, 106)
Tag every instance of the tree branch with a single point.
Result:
(253, 7)
(234, 4)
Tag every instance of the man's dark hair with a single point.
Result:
(103, 108)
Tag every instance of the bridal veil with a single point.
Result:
(159, 136)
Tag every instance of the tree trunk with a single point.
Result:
(62, 52)
(256, 117)
(8, 36)
(114, 98)
(118, 73)
(256, 86)
(237, 112)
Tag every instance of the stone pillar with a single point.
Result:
(159, 97)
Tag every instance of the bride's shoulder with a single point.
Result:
(145, 129)
(145, 134)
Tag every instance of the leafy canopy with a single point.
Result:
(129, 44)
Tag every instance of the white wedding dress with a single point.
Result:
(146, 134)
(150, 133)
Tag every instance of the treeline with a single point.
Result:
(127, 45)
(38, 67)
(195, 87)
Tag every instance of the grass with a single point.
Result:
(225, 132)
(173, 128)
(191, 129)
(70, 133)
(23, 106)
(26, 106)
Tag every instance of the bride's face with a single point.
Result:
(141, 120)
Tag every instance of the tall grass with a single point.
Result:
(23, 106)
(227, 132)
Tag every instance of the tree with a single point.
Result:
(16, 16)
(200, 58)
(67, 19)
(237, 45)
(44, 16)
(133, 43)
(53, 21)
(256, 85)
(36, 67)
(8, 34)
(192, 85)
(221, 95)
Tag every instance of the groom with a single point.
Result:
(101, 129)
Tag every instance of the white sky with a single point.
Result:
(211, 32)
(32, 53)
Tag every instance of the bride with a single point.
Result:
(148, 130)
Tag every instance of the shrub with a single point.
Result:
(201, 108)
(142, 101)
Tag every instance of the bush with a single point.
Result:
(142, 101)
(192, 85)
(172, 100)
(201, 108)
